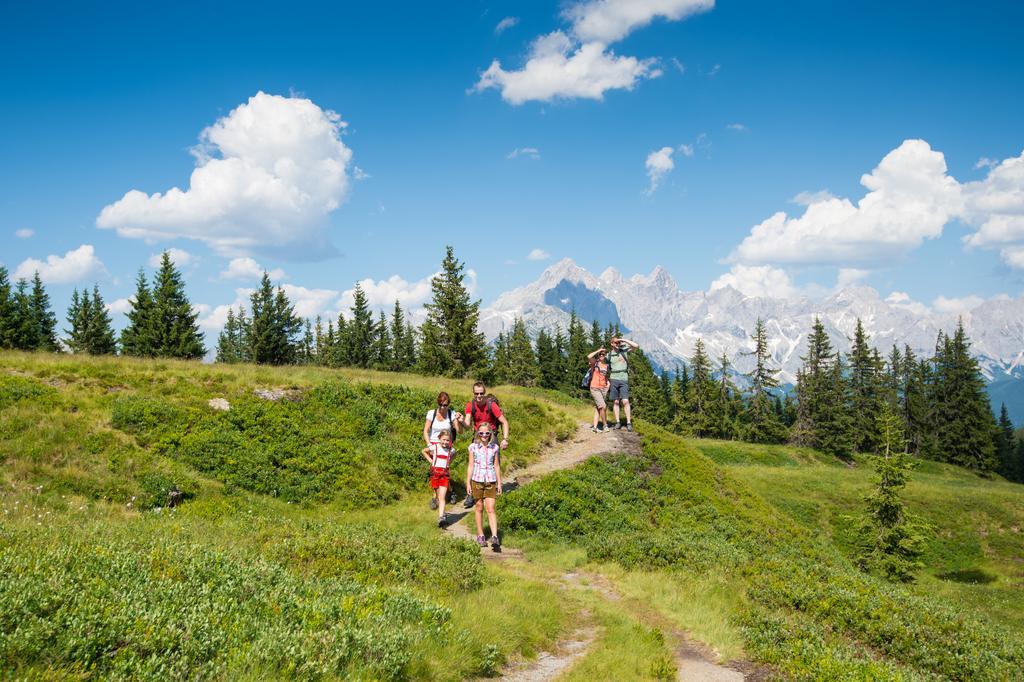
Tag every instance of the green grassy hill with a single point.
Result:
(304, 548)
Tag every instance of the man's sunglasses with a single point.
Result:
(479, 395)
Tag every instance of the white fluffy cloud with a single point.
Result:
(910, 198)
(957, 306)
(1013, 256)
(995, 205)
(558, 68)
(267, 174)
(120, 306)
(538, 254)
(608, 21)
(505, 24)
(658, 163)
(901, 299)
(849, 276)
(246, 269)
(24, 233)
(757, 280)
(74, 266)
(526, 152)
(311, 302)
(382, 294)
(179, 257)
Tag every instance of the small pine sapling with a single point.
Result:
(890, 539)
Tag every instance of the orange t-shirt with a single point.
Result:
(599, 379)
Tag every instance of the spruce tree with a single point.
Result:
(174, 328)
(359, 337)
(43, 318)
(646, 398)
(761, 423)
(410, 345)
(577, 350)
(307, 348)
(699, 413)
(90, 325)
(812, 386)
(727, 403)
(865, 390)
(500, 369)
(381, 350)
(1006, 446)
(890, 540)
(457, 346)
(138, 337)
(965, 426)
(228, 350)
(7, 311)
(274, 326)
(398, 362)
(24, 329)
(666, 394)
(595, 335)
(522, 363)
(549, 361)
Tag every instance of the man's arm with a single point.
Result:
(504, 429)
(632, 344)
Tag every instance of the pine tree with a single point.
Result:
(964, 424)
(761, 423)
(522, 362)
(549, 361)
(24, 330)
(43, 318)
(700, 395)
(7, 311)
(595, 335)
(1006, 446)
(227, 341)
(274, 326)
(864, 388)
(138, 337)
(577, 350)
(680, 386)
(666, 394)
(410, 345)
(726, 404)
(307, 348)
(90, 325)
(890, 540)
(500, 369)
(646, 398)
(399, 362)
(812, 385)
(174, 328)
(381, 350)
(359, 337)
(454, 345)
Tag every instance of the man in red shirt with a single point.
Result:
(483, 409)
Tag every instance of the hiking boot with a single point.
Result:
(442, 522)
(433, 503)
(495, 544)
(629, 426)
(468, 503)
(481, 540)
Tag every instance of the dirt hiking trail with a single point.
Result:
(694, 661)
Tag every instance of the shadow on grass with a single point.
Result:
(970, 576)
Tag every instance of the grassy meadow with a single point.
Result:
(303, 546)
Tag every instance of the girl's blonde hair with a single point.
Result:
(444, 432)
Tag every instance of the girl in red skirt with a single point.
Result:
(439, 454)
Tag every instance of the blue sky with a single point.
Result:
(692, 122)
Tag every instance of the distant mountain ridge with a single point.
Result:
(667, 322)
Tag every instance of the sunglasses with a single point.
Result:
(442, 404)
(479, 395)
(484, 433)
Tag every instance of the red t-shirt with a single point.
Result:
(484, 414)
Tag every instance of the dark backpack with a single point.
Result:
(585, 384)
(455, 433)
(491, 400)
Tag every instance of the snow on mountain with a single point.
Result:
(667, 322)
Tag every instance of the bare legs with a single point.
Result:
(492, 516)
(442, 497)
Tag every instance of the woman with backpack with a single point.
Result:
(599, 370)
(442, 418)
(483, 479)
(439, 455)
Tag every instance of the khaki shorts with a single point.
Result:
(600, 395)
(484, 490)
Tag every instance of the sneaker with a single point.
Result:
(468, 502)
(433, 503)
(595, 429)
(629, 426)
(442, 522)
(495, 544)
(481, 540)
(606, 428)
